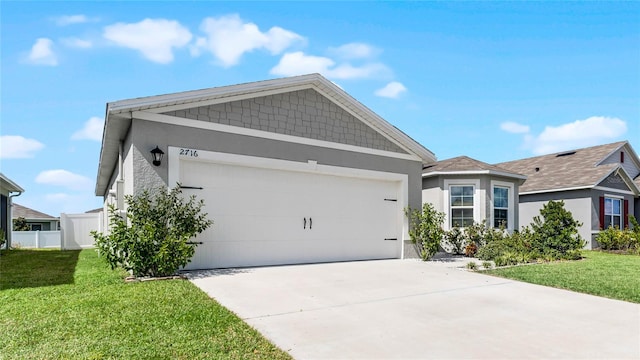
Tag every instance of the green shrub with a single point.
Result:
(555, 231)
(487, 264)
(517, 242)
(627, 240)
(156, 243)
(426, 229)
(471, 265)
(20, 224)
(456, 240)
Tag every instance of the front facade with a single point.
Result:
(291, 170)
(599, 185)
(36, 220)
(469, 191)
(8, 190)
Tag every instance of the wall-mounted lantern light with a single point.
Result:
(157, 156)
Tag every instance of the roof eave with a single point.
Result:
(476, 172)
(12, 186)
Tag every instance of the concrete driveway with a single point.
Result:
(407, 309)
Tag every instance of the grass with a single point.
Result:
(602, 274)
(70, 305)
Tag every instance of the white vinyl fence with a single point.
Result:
(75, 233)
(76, 230)
(35, 239)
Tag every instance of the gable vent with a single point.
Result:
(566, 154)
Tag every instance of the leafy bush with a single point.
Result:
(627, 240)
(426, 229)
(455, 240)
(156, 243)
(555, 231)
(472, 266)
(20, 224)
(518, 242)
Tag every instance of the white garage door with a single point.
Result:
(267, 217)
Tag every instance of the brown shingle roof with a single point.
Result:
(567, 169)
(23, 211)
(465, 164)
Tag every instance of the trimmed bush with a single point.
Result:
(555, 231)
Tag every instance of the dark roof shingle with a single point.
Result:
(566, 169)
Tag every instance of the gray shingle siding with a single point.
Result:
(303, 113)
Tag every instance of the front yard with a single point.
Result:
(602, 274)
(69, 304)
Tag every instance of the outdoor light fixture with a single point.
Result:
(157, 156)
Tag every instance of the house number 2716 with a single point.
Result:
(189, 152)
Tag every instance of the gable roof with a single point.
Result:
(8, 184)
(463, 165)
(567, 170)
(119, 114)
(29, 214)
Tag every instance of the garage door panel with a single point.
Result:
(259, 216)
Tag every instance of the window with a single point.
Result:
(612, 212)
(36, 227)
(501, 206)
(461, 205)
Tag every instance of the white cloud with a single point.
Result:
(355, 51)
(580, 133)
(18, 147)
(229, 37)
(92, 130)
(76, 43)
(514, 127)
(72, 19)
(298, 63)
(154, 38)
(64, 178)
(42, 53)
(391, 90)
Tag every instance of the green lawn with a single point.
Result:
(69, 304)
(608, 275)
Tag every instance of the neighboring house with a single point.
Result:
(7, 188)
(36, 220)
(600, 185)
(292, 170)
(470, 191)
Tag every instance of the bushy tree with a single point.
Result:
(426, 229)
(555, 232)
(155, 240)
(20, 224)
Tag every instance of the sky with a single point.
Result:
(495, 81)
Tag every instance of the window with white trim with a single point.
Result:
(461, 205)
(612, 212)
(501, 207)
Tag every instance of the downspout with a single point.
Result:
(10, 206)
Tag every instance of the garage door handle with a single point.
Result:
(310, 223)
(305, 223)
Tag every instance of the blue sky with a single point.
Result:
(496, 81)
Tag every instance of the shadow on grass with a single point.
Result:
(36, 268)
